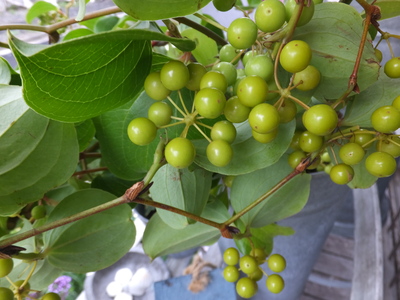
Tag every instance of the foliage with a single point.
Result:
(65, 111)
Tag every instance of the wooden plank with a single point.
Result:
(325, 292)
(335, 266)
(339, 246)
(368, 258)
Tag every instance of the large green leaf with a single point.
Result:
(92, 243)
(160, 239)
(287, 201)
(85, 131)
(248, 154)
(159, 9)
(334, 35)
(39, 154)
(87, 76)
(389, 8)
(381, 93)
(39, 8)
(183, 189)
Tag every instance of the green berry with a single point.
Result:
(235, 111)
(6, 266)
(154, 88)
(248, 264)
(219, 153)
(386, 119)
(295, 56)
(180, 153)
(196, 72)
(264, 118)
(210, 102)
(252, 90)
(142, 131)
(246, 287)
(380, 164)
(320, 119)
(341, 174)
(242, 33)
(214, 79)
(276, 263)
(392, 67)
(38, 212)
(351, 153)
(6, 294)
(270, 15)
(231, 273)
(307, 79)
(275, 283)
(223, 130)
(160, 113)
(174, 75)
(51, 296)
(231, 256)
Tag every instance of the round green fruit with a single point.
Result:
(196, 72)
(264, 138)
(386, 119)
(252, 90)
(310, 142)
(160, 113)
(38, 212)
(320, 119)
(154, 88)
(219, 153)
(223, 130)
(270, 15)
(306, 14)
(231, 256)
(224, 5)
(246, 287)
(242, 33)
(307, 79)
(341, 174)
(248, 264)
(180, 153)
(257, 275)
(275, 283)
(142, 131)
(210, 102)
(380, 164)
(231, 273)
(392, 67)
(235, 111)
(230, 54)
(260, 65)
(51, 296)
(228, 70)
(276, 263)
(264, 118)
(259, 254)
(295, 158)
(6, 266)
(6, 294)
(287, 111)
(362, 138)
(390, 145)
(174, 75)
(351, 153)
(396, 102)
(295, 56)
(214, 79)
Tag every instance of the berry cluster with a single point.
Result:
(20, 288)
(247, 287)
(225, 94)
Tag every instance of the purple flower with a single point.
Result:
(61, 286)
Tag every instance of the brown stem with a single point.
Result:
(372, 15)
(90, 171)
(84, 155)
(134, 190)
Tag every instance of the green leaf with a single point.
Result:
(110, 183)
(160, 239)
(85, 132)
(48, 160)
(286, 201)
(248, 154)
(206, 48)
(334, 35)
(44, 275)
(112, 64)
(160, 9)
(5, 72)
(105, 24)
(263, 238)
(389, 8)
(381, 93)
(76, 33)
(39, 8)
(94, 242)
(182, 189)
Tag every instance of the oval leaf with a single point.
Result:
(92, 243)
(248, 154)
(287, 201)
(183, 189)
(389, 8)
(111, 63)
(160, 239)
(334, 54)
(160, 9)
